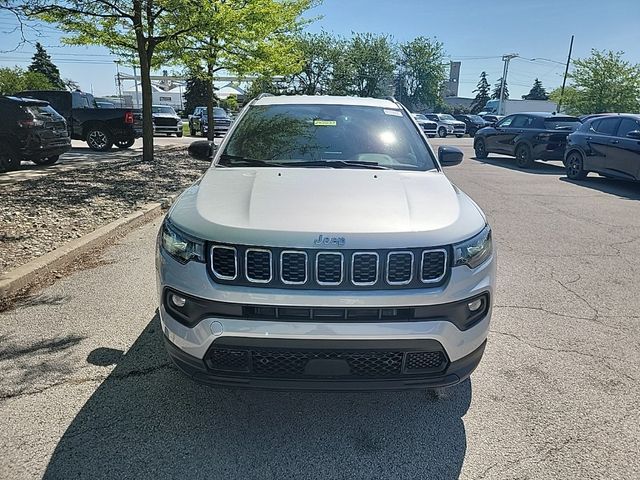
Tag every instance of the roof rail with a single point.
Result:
(264, 94)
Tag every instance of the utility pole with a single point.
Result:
(566, 72)
(135, 81)
(117, 62)
(506, 59)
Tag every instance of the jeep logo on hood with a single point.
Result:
(324, 240)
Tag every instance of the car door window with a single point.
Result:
(521, 121)
(505, 122)
(627, 125)
(606, 126)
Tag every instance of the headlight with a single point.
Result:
(475, 251)
(181, 246)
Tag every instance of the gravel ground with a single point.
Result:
(41, 214)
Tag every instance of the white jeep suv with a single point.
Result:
(325, 249)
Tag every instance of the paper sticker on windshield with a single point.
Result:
(397, 113)
(325, 123)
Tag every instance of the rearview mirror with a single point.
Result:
(202, 150)
(634, 134)
(449, 156)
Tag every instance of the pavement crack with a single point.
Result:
(81, 380)
(558, 350)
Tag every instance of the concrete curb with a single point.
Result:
(23, 276)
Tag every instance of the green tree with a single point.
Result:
(319, 54)
(195, 93)
(483, 94)
(603, 82)
(537, 92)
(570, 100)
(41, 63)
(241, 37)
(230, 103)
(496, 90)
(15, 79)
(421, 73)
(136, 30)
(366, 67)
(262, 84)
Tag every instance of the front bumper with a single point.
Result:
(167, 129)
(454, 373)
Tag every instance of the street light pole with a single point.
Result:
(506, 59)
(135, 81)
(566, 72)
(117, 62)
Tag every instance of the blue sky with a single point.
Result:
(476, 33)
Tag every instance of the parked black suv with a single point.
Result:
(608, 145)
(198, 122)
(30, 130)
(527, 136)
(473, 123)
(101, 128)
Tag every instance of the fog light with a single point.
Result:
(178, 301)
(475, 305)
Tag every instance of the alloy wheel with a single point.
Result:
(97, 139)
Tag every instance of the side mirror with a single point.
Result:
(449, 156)
(202, 150)
(634, 134)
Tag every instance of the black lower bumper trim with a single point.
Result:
(455, 373)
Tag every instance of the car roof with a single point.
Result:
(545, 115)
(25, 101)
(326, 100)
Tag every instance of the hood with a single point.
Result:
(292, 207)
(453, 122)
(164, 115)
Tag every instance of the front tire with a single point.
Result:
(192, 131)
(442, 132)
(99, 139)
(575, 166)
(8, 160)
(480, 149)
(524, 158)
(179, 134)
(46, 160)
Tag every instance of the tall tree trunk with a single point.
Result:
(210, 119)
(147, 113)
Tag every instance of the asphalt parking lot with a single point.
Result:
(87, 391)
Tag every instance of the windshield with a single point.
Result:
(419, 116)
(316, 135)
(163, 109)
(446, 116)
(561, 123)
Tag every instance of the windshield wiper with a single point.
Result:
(239, 160)
(338, 164)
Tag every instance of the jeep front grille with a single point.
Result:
(324, 269)
(297, 363)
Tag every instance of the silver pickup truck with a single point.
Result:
(325, 249)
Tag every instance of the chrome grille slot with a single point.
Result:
(364, 268)
(329, 268)
(257, 265)
(224, 262)
(433, 266)
(399, 268)
(293, 267)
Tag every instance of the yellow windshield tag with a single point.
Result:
(325, 123)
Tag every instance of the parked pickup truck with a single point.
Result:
(198, 122)
(101, 128)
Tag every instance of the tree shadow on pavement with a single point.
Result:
(622, 188)
(147, 420)
(538, 168)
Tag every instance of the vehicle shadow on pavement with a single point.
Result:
(621, 188)
(539, 168)
(147, 420)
